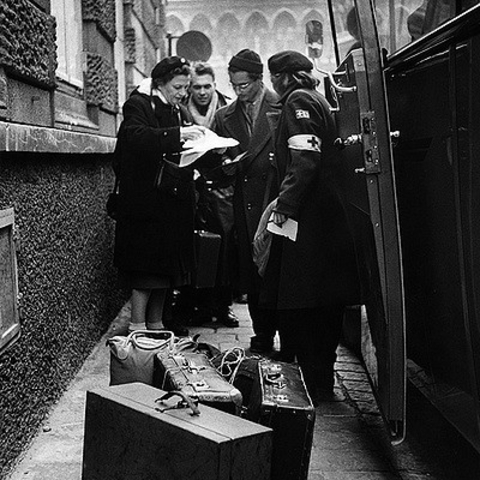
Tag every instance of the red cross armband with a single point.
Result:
(305, 142)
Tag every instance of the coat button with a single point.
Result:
(245, 179)
(249, 206)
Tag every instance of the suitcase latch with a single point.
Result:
(276, 380)
(200, 385)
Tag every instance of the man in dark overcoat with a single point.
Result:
(247, 120)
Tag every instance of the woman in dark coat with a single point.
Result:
(311, 279)
(155, 224)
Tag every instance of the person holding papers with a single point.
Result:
(311, 272)
(154, 239)
(247, 120)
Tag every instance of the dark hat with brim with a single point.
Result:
(247, 61)
(167, 65)
(289, 61)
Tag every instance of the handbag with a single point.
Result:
(173, 180)
(112, 200)
(132, 357)
(262, 240)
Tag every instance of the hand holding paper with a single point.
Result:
(288, 229)
(194, 149)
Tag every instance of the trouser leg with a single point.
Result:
(264, 323)
(312, 336)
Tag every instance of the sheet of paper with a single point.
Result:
(194, 149)
(288, 229)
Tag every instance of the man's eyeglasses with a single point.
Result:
(240, 86)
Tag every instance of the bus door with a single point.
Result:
(357, 94)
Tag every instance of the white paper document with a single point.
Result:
(194, 149)
(288, 229)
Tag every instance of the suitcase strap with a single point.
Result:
(184, 402)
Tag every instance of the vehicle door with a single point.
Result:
(357, 93)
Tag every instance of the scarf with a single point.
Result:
(207, 119)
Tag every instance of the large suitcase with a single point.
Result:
(129, 435)
(207, 250)
(194, 374)
(280, 400)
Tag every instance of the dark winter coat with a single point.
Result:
(154, 230)
(252, 178)
(319, 268)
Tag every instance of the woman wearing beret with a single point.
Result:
(311, 279)
(154, 228)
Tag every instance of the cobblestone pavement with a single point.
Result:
(350, 441)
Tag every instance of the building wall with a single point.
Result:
(66, 67)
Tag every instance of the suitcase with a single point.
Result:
(130, 435)
(207, 250)
(194, 374)
(280, 400)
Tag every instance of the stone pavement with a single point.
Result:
(349, 442)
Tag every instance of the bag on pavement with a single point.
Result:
(132, 357)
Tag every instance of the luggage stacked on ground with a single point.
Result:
(138, 431)
(194, 374)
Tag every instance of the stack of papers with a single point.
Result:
(194, 149)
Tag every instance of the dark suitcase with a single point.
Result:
(207, 249)
(194, 374)
(129, 435)
(280, 400)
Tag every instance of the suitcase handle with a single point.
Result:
(181, 404)
(275, 380)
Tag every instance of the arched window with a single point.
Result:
(257, 34)
(202, 24)
(175, 26)
(228, 35)
(286, 34)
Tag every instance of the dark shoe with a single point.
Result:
(260, 344)
(228, 318)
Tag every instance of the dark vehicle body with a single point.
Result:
(407, 104)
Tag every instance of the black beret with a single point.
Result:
(247, 61)
(168, 64)
(289, 61)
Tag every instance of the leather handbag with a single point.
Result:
(132, 357)
(173, 180)
(112, 200)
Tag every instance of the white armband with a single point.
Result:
(305, 142)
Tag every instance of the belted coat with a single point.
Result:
(319, 267)
(154, 228)
(254, 176)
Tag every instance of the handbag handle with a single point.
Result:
(185, 400)
(168, 340)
